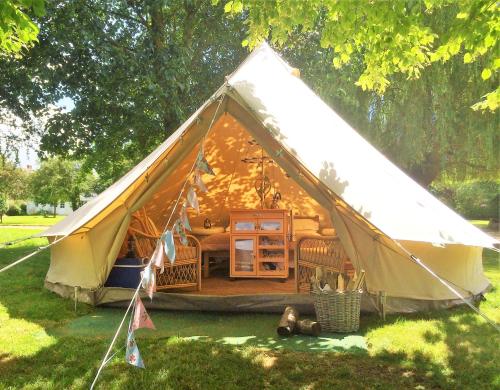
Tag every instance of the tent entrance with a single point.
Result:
(240, 163)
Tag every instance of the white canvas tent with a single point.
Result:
(380, 214)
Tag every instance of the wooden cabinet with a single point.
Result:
(259, 243)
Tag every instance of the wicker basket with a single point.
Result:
(337, 312)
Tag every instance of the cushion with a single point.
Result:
(305, 224)
(328, 232)
(201, 231)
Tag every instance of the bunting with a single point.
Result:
(157, 257)
(198, 181)
(166, 244)
(179, 229)
(169, 245)
(193, 199)
(132, 354)
(202, 163)
(148, 280)
(184, 218)
(141, 317)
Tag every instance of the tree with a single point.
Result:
(58, 180)
(13, 180)
(425, 125)
(135, 70)
(17, 30)
(3, 206)
(390, 37)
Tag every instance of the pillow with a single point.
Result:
(305, 224)
(328, 232)
(306, 232)
(201, 231)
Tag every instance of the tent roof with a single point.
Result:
(327, 147)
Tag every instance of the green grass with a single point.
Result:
(44, 344)
(480, 223)
(31, 220)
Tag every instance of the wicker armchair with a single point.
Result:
(313, 252)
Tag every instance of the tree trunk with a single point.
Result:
(55, 206)
(430, 168)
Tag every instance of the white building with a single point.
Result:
(61, 209)
(37, 208)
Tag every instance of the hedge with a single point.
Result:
(471, 199)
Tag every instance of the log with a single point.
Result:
(288, 321)
(309, 327)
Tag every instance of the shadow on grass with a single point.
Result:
(236, 360)
(462, 351)
(173, 363)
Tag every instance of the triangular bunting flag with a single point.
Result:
(179, 229)
(202, 163)
(157, 258)
(199, 181)
(141, 317)
(148, 280)
(169, 245)
(184, 218)
(132, 355)
(193, 199)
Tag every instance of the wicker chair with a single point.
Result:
(313, 252)
(185, 272)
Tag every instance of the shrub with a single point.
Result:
(478, 199)
(445, 192)
(471, 199)
(24, 209)
(13, 210)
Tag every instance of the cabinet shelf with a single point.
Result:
(271, 260)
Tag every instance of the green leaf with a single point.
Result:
(489, 40)
(244, 43)
(462, 15)
(228, 7)
(237, 6)
(486, 73)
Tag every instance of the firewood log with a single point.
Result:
(310, 327)
(288, 321)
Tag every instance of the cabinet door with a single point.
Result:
(243, 256)
(243, 225)
(271, 225)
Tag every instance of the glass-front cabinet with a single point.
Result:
(259, 245)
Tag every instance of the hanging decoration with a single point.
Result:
(202, 163)
(141, 318)
(148, 280)
(132, 355)
(193, 199)
(157, 257)
(169, 245)
(198, 181)
(184, 218)
(179, 229)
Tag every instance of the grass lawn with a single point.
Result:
(31, 220)
(44, 344)
(480, 223)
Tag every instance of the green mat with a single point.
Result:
(250, 329)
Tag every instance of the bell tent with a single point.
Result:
(321, 167)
